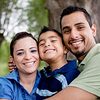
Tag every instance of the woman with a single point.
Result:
(21, 84)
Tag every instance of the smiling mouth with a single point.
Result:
(49, 50)
(76, 42)
(29, 63)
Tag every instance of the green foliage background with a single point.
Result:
(36, 17)
(4, 56)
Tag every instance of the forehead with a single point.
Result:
(27, 41)
(76, 17)
(48, 34)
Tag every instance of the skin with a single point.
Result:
(52, 50)
(79, 39)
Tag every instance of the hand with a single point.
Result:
(11, 65)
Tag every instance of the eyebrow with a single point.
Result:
(23, 49)
(65, 27)
(81, 23)
(48, 37)
(19, 50)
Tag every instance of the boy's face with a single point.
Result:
(51, 47)
(77, 34)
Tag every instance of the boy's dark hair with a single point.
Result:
(17, 37)
(72, 9)
(46, 29)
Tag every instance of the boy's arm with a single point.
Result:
(73, 93)
(11, 65)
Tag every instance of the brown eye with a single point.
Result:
(66, 31)
(41, 44)
(80, 27)
(20, 53)
(33, 51)
(53, 40)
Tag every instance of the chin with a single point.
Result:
(79, 53)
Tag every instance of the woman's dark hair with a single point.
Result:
(17, 37)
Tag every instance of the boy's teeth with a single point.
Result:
(49, 51)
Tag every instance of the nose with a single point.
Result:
(28, 55)
(74, 33)
(47, 43)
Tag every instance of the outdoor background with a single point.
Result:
(31, 16)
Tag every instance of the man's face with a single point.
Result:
(77, 34)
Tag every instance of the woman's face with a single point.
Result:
(25, 55)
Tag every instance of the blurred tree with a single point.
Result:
(4, 51)
(4, 55)
(55, 8)
(15, 13)
(37, 15)
(11, 15)
(1, 38)
(29, 13)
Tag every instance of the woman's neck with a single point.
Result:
(27, 81)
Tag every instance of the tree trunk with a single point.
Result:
(1, 38)
(55, 8)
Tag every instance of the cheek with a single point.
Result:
(65, 41)
(40, 51)
(37, 56)
(41, 55)
(65, 38)
(17, 60)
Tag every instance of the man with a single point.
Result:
(78, 33)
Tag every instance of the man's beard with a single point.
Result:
(78, 54)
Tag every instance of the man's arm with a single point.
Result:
(73, 93)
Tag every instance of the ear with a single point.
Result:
(93, 29)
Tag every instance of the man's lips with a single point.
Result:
(75, 42)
